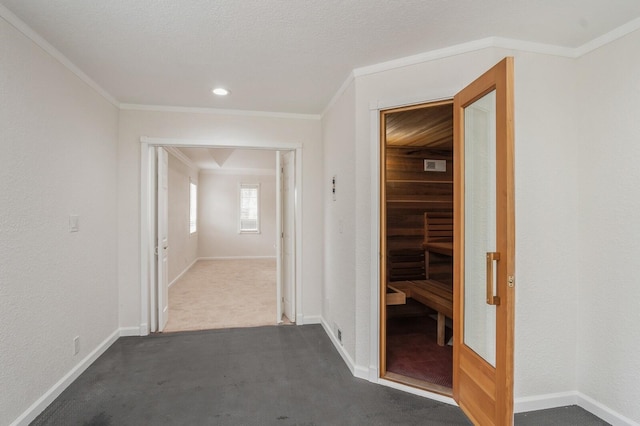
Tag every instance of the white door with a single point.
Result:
(287, 164)
(162, 243)
(279, 298)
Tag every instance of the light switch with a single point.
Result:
(74, 223)
(333, 187)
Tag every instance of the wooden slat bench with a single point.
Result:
(438, 246)
(433, 294)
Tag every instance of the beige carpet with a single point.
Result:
(224, 294)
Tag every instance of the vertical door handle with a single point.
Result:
(492, 299)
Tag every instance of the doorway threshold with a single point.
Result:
(418, 384)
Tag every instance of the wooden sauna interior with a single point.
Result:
(418, 245)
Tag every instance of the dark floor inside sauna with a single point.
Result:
(412, 349)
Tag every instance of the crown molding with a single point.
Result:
(471, 46)
(19, 25)
(462, 48)
(607, 38)
(218, 111)
(181, 157)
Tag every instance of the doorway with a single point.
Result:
(416, 243)
(480, 239)
(152, 282)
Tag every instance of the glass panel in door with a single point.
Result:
(480, 226)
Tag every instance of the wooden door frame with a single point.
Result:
(374, 373)
(384, 373)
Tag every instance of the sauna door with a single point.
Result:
(484, 247)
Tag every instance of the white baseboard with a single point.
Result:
(236, 257)
(130, 331)
(543, 402)
(562, 399)
(521, 405)
(345, 356)
(49, 396)
(538, 402)
(183, 272)
(311, 319)
(361, 372)
(144, 329)
(604, 412)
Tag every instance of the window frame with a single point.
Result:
(255, 186)
(193, 207)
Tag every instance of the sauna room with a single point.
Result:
(417, 246)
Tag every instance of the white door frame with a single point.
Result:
(287, 237)
(147, 221)
(162, 239)
(279, 303)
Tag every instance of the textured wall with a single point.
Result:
(58, 142)
(608, 104)
(546, 226)
(183, 246)
(340, 219)
(546, 199)
(219, 212)
(422, 81)
(218, 128)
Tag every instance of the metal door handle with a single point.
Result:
(492, 299)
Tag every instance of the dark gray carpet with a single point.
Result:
(283, 375)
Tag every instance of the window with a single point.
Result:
(193, 207)
(249, 208)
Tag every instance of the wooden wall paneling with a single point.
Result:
(410, 192)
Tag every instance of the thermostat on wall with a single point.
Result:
(435, 165)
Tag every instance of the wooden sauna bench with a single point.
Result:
(433, 294)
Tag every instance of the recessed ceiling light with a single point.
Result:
(220, 91)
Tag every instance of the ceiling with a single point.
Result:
(284, 55)
(230, 160)
(426, 126)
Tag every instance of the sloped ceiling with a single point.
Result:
(284, 55)
(232, 160)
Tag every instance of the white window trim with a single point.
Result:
(240, 187)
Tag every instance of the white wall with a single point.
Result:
(219, 209)
(340, 219)
(608, 351)
(424, 81)
(576, 204)
(218, 128)
(58, 157)
(546, 228)
(183, 246)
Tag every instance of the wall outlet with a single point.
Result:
(76, 345)
(74, 223)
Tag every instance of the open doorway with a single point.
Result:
(154, 278)
(222, 259)
(417, 246)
